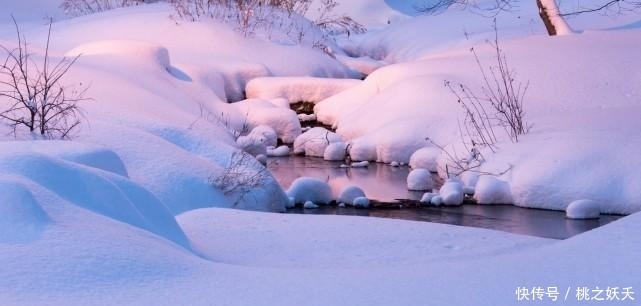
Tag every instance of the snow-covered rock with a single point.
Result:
(278, 152)
(251, 145)
(310, 205)
(349, 193)
(427, 197)
(491, 190)
(361, 202)
(314, 142)
(583, 209)
(425, 158)
(305, 189)
(335, 151)
(264, 134)
(420, 180)
(451, 192)
(360, 164)
(261, 112)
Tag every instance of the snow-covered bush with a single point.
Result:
(305, 189)
(242, 174)
(420, 180)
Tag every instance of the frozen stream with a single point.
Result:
(384, 183)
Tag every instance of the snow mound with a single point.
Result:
(425, 158)
(251, 145)
(265, 134)
(349, 194)
(491, 190)
(99, 191)
(451, 193)
(297, 89)
(305, 189)
(278, 152)
(261, 112)
(315, 141)
(22, 219)
(420, 180)
(361, 202)
(310, 205)
(141, 52)
(335, 151)
(583, 209)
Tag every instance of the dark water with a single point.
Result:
(384, 183)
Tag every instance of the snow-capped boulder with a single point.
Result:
(310, 205)
(265, 134)
(315, 141)
(452, 192)
(491, 190)
(583, 209)
(305, 189)
(335, 151)
(361, 202)
(425, 158)
(349, 194)
(420, 180)
(278, 152)
(251, 145)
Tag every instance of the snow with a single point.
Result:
(297, 89)
(491, 190)
(349, 194)
(361, 202)
(425, 158)
(314, 142)
(305, 189)
(120, 214)
(583, 209)
(261, 112)
(253, 146)
(335, 151)
(278, 151)
(265, 134)
(310, 205)
(451, 192)
(420, 180)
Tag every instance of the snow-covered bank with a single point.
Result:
(389, 260)
(581, 107)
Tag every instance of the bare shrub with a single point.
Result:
(499, 104)
(240, 176)
(285, 15)
(85, 7)
(34, 96)
(500, 93)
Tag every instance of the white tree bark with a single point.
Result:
(553, 20)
